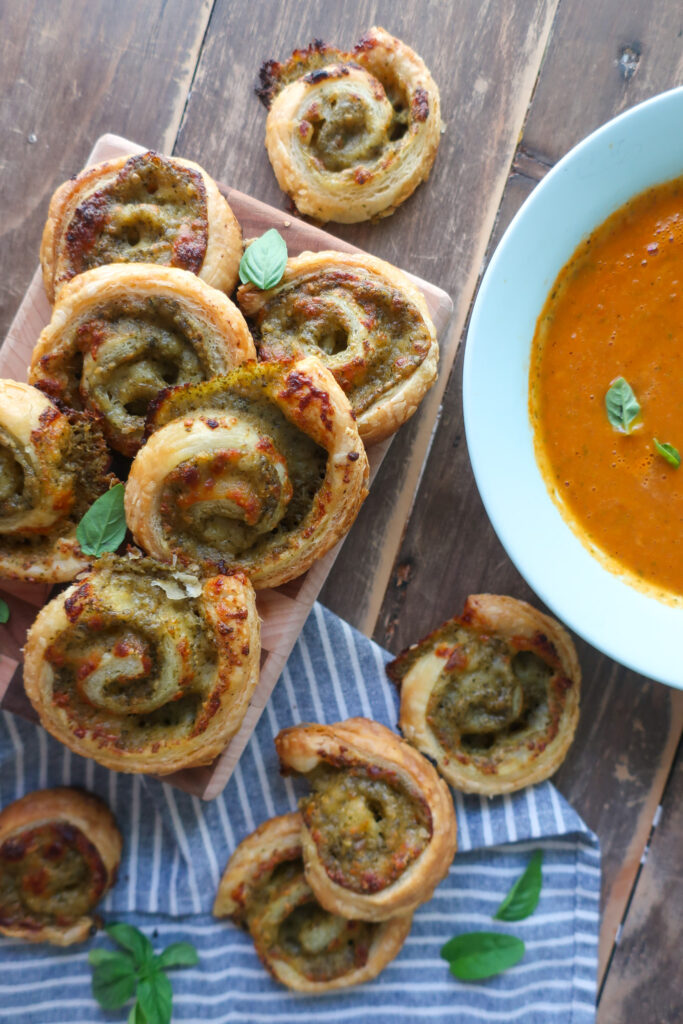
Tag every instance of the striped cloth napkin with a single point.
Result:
(176, 848)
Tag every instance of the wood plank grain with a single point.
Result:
(644, 980)
(68, 72)
(602, 58)
(440, 233)
(579, 87)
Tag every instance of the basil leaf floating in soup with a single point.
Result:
(4, 612)
(477, 955)
(523, 897)
(622, 405)
(103, 526)
(264, 261)
(667, 451)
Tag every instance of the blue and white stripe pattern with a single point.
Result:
(176, 848)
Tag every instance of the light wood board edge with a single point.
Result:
(283, 614)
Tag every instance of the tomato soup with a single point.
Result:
(616, 310)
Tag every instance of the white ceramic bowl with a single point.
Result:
(640, 148)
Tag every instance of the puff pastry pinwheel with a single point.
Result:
(141, 209)
(379, 826)
(59, 853)
(52, 467)
(142, 668)
(351, 135)
(264, 889)
(364, 319)
(121, 334)
(492, 696)
(260, 470)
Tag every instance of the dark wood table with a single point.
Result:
(521, 82)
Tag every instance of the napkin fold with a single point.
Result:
(176, 848)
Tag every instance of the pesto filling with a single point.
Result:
(287, 923)
(341, 125)
(155, 211)
(258, 496)
(124, 354)
(367, 334)
(367, 826)
(490, 700)
(75, 472)
(17, 478)
(134, 667)
(48, 874)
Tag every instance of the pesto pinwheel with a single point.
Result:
(59, 854)
(351, 135)
(144, 668)
(121, 334)
(379, 829)
(492, 696)
(364, 319)
(52, 467)
(261, 470)
(147, 208)
(264, 890)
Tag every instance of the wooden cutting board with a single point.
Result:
(284, 609)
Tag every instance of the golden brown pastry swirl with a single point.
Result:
(379, 826)
(121, 334)
(59, 853)
(364, 319)
(351, 135)
(264, 889)
(143, 668)
(52, 467)
(492, 695)
(261, 470)
(147, 208)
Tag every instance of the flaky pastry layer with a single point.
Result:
(492, 696)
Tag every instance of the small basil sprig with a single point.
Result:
(478, 955)
(103, 526)
(264, 261)
(622, 405)
(668, 452)
(139, 971)
(4, 612)
(524, 895)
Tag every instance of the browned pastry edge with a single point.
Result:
(230, 611)
(416, 671)
(281, 838)
(310, 398)
(361, 740)
(93, 819)
(224, 247)
(397, 404)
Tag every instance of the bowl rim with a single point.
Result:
(663, 664)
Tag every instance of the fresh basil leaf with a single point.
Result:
(132, 939)
(136, 1016)
(113, 979)
(103, 956)
(103, 526)
(478, 955)
(155, 997)
(523, 897)
(622, 405)
(667, 451)
(264, 261)
(4, 612)
(178, 954)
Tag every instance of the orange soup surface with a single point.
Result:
(616, 310)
